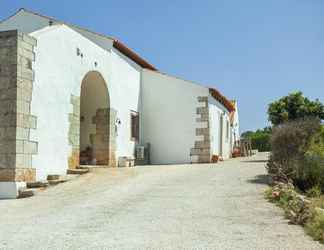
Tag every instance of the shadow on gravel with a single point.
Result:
(255, 161)
(260, 179)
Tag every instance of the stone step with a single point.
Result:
(77, 171)
(24, 193)
(37, 184)
(55, 182)
(82, 167)
(52, 177)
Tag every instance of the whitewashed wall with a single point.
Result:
(126, 78)
(236, 124)
(227, 148)
(214, 124)
(58, 74)
(169, 116)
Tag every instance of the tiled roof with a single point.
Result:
(132, 55)
(222, 99)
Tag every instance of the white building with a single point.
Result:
(70, 96)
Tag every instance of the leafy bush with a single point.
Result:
(298, 157)
(318, 202)
(314, 192)
(297, 153)
(310, 174)
(293, 107)
(315, 226)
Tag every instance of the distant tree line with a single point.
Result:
(293, 107)
(260, 139)
(296, 141)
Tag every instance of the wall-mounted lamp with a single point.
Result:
(118, 121)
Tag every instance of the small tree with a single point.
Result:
(293, 107)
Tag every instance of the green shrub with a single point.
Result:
(268, 194)
(315, 226)
(280, 194)
(318, 201)
(295, 155)
(310, 173)
(314, 192)
(285, 198)
(295, 206)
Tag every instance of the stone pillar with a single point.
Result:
(16, 84)
(200, 153)
(74, 132)
(112, 137)
(101, 138)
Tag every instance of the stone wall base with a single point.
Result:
(74, 159)
(17, 174)
(10, 190)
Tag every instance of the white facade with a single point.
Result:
(168, 107)
(235, 125)
(169, 116)
(58, 75)
(126, 77)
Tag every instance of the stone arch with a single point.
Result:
(95, 121)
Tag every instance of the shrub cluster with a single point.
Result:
(297, 209)
(315, 225)
(307, 212)
(298, 154)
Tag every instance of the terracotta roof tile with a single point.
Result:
(132, 55)
(222, 99)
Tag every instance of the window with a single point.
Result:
(134, 126)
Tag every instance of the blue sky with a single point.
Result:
(253, 51)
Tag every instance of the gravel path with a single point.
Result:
(206, 206)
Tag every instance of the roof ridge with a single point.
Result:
(66, 23)
(116, 42)
(215, 93)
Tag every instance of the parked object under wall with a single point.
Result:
(126, 161)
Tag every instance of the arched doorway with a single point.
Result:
(94, 120)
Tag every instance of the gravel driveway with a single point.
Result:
(207, 206)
